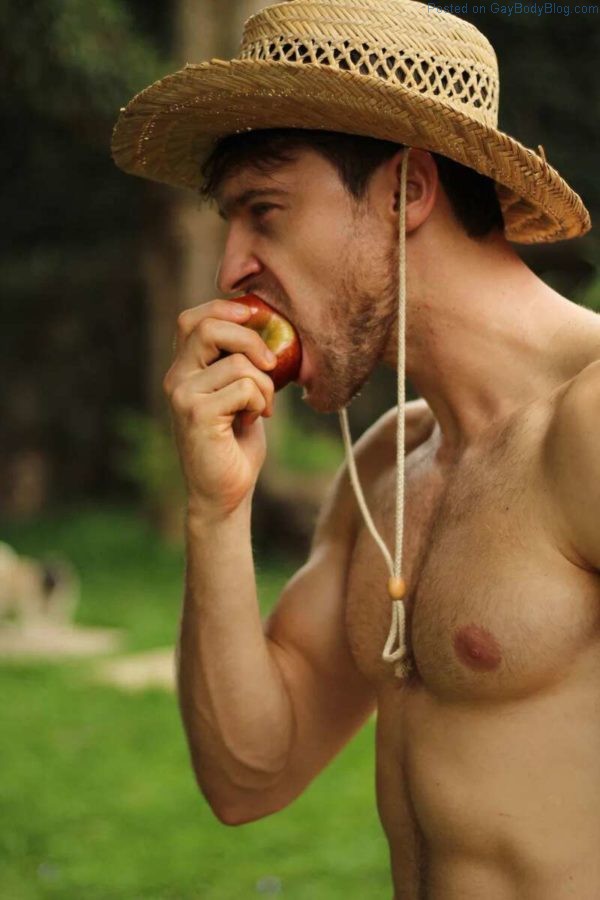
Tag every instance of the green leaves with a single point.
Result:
(68, 60)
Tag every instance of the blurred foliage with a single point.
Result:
(149, 459)
(67, 60)
(67, 67)
(590, 296)
(71, 60)
(72, 298)
(306, 449)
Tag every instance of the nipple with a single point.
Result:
(477, 648)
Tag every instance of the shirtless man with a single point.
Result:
(488, 753)
(488, 758)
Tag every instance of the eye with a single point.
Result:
(259, 209)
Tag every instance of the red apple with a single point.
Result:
(279, 335)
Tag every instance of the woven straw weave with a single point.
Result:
(391, 69)
(436, 64)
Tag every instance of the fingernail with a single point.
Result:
(240, 310)
(270, 357)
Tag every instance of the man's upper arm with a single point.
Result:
(572, 463)
(330, 696)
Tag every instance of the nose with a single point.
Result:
(237, 264)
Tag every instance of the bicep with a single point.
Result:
(329, 696)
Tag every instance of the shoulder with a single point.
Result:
(375, 450)
(574, 426)
(572, 460)
(419, 422)
(374, 454)
(377, 445)
(581, 395)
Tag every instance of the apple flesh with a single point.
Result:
(279, 335)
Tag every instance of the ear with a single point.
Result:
(422, 185)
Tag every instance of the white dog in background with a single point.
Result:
(36, 591)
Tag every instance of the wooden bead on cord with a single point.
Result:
(396, 587)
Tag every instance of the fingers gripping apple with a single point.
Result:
(280, 337)
(220, 383)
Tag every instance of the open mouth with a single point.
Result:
(262, 296)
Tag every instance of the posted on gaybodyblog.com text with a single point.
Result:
(515, 9)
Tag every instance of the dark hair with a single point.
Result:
(471, 195)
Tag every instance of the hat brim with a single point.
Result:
(167, 130)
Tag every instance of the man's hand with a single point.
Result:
(220, 462)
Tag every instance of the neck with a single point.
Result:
(486, 336)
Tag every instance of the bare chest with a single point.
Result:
(494, 610)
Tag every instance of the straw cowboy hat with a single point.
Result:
(390, 69)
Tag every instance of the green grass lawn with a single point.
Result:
(97, 797)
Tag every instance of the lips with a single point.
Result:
(266, 300)
(304, 373)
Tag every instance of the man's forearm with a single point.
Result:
(234, 704)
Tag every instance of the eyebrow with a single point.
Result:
(237, 202)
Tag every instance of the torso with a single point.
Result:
(488, 755)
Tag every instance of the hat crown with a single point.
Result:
(402, 42)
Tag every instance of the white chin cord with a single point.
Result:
(396, 586)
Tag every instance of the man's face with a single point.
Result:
(323, 261)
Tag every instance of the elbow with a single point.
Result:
(226, 810)
(233, 815)
(244, 793)
(241, 808)
(227, 815)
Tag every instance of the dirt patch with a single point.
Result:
(50, 641)
(155, 668)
